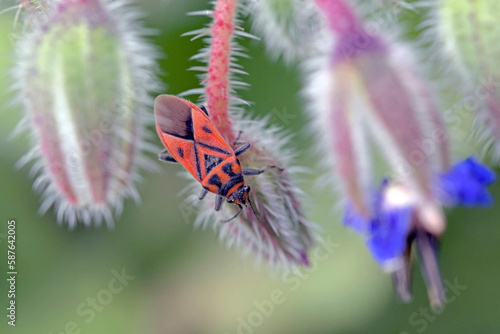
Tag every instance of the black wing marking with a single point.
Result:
(211, 161)
(173, 116)
(215, 180)
(202, 107)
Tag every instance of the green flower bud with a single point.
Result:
(469, 32)
(83, 83)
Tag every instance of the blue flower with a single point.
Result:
(387, 229)
(354, 220)
(388, 233)
(466, 184)
(393, 208)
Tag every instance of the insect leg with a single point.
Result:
(165, 156)
(203, 193)
(251, 171)
(218, 202)
(242, 149)
(236, 141)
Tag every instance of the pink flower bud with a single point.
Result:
(84, 86)
(278, 231)
(366, 92)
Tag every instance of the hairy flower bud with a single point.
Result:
(367, 88)
(373, 92)
(278, 232)
(467, 34)
(83, 84)
(35, 10)
(288, 26)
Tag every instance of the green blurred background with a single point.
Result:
(185, 281)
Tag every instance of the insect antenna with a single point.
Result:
(251, 206)
(236, 215)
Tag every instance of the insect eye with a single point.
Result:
(230, 200)
(247, 189)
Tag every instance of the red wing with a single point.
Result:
(184, 152)
(206, 133)
(189, 135)
(174, 117)
(209, 159)
(174, 125)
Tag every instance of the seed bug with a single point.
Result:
(191, 139)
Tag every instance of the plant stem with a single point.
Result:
(217, 88)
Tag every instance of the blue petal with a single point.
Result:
(473, 169)
(388, 233)
(358, 222)
(466, 183)
(354, 220)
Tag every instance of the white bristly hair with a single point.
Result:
(129, 143)
(280, 234)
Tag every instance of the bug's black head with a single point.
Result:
(240, 195)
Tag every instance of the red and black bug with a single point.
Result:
(191, 139)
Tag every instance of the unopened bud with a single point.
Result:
(81, 86)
